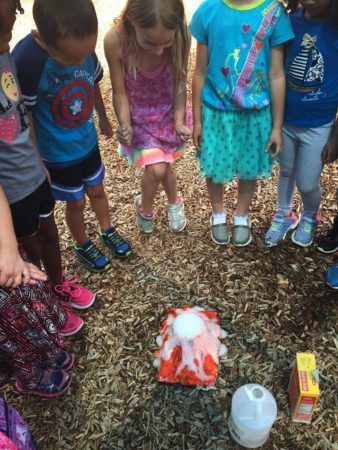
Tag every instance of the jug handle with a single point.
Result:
(248, 392)
(258, 412)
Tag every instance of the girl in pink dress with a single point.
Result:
(147, 51)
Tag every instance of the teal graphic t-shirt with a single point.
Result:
(239, 39)
(61, 99)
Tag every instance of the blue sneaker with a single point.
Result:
(118, 246)
(331, 277)
(279, 227)
(305, 231)
(92, 257)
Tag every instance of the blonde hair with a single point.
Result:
(148, 14)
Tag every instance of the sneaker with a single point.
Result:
(303, 235)
(280, 225)
(328, 243)
(92, 257)
(219, 233)
(51, 383)
(176, 216)
(242, 235)
(73, 323)
(78, 297)
(145, 224)
(64, 362)
(118, 246)
(331, 276)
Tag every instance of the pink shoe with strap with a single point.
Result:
(73, 323)
(78, 296)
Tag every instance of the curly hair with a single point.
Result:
(293, 5)
(18, 7)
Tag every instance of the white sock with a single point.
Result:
(219, 217)
(241, 220)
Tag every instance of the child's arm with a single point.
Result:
(180, 102)
(32, 136)
(330, 150)
(104, 123)
(13, 270)
(113, 52)
(277, 91)
(197, 86)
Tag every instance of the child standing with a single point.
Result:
(59, 73)
(239, 73)
(311, 107)
(23, 179)
(147, 53)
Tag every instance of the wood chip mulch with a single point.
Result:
(273, 303)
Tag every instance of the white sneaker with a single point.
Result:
(176, 217)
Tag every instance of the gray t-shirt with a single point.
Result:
(21, 171)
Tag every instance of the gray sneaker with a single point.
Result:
(219, 233)
(176, 217)
(145, 224)
(242, 235)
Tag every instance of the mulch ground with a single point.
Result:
(273, 303)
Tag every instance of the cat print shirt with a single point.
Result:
(21, 171)
(311, 73)
(239, 40)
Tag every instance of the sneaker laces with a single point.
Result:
(275, 225)
(175, 212)
(93, 252)
(69, 286)
(307, 226)
(114, 237)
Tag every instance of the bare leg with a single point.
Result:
(75, 220)
(44, 245)
(246, 192)
(32, 246)
(151, 179)
(169, 183)
(51, 254)
(216, 194)
(99, 202)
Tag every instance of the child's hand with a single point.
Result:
(330, 151)
(183, 131)
(275, 140)
(14, 271)
(105, 127)
(125, 134)
(197, 136)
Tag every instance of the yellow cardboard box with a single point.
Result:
(303, 387)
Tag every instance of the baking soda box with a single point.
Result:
(303, 387)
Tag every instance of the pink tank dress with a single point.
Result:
(151, 101)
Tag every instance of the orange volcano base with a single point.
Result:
(190, 362)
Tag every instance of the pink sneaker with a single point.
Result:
(78, 297)
(73, 323)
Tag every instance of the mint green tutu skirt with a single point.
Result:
(233, 144)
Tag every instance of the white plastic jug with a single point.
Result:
(253, 412)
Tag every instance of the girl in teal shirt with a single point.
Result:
(238, 99)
